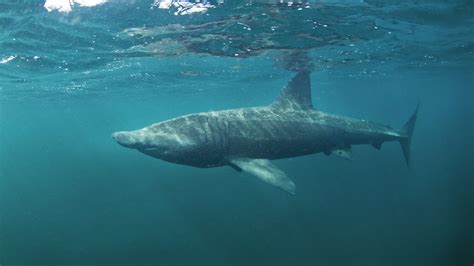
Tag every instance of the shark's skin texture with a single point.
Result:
(210, 139)
(288, 128)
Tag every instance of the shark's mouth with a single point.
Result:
(149, 149)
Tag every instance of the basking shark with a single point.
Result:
(247, 139)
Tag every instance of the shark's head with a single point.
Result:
(129, 139)
(177, 140)
(156, 142)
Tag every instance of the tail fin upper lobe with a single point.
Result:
(407, 132)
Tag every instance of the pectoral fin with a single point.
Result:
(266, 171)
(345, 153)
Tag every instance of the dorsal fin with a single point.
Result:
(296, 94)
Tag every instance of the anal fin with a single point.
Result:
(377, 144)
(265, 171)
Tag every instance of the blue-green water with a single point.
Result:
(70, 194)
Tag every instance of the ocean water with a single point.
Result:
(70, 194)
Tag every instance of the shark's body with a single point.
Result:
(246, 139)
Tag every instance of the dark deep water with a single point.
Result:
(70, 194)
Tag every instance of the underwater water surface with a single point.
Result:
(70, 194)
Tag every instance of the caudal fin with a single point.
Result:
(407, 132)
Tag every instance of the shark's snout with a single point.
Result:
(124, 138)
